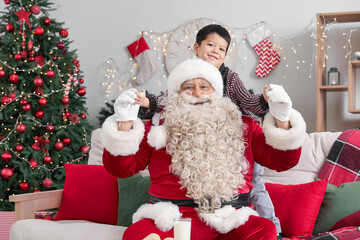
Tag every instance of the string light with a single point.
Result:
(293, 52)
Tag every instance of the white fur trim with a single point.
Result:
(121, 142)
(258, 35)
(227, 218)
(195, 68)
(283, 139)
(164, 214)
(157, 136)
(155, 120)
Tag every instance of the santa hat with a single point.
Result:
(195, 68)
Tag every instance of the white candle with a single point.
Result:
(182, 229)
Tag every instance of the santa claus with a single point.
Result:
(200, 154)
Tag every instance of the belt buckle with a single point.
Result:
(211, 210)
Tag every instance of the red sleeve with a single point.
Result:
(126, 166)
(266, 155)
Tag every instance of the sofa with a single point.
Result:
(91, 196)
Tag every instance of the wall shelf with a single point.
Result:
(321, 87)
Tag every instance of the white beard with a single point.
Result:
(207, 147)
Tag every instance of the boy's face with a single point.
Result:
(212, 49)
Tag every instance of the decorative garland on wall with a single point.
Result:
(294, 55)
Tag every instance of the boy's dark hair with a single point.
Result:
(213, 28)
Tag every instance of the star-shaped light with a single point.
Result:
(23, 15)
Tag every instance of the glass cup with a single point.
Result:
(182, 229)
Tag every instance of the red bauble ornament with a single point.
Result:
(35, 9)
(6, 156)
(19, 147)
(67, 114)
(64, 33)
(39, 114)
(50, 128)
(14, 78)
(66, 141)
(18, 56)
(27, 107)
(50, 73)
(24, 186)
(23, 102)
(81, 80)
(7, 173)
(12, 95)
(31, 59)
(54, 58)
(33, 163)
(30, 44)
(9, 27)
(59, 145)
(38, 81)
(83, 116)
(5, 100)
(42, 101)
(7, 1)
(81, 91)
(85, 149)
(60, 45)
(47, 159)
(47, 183)
(47, 21)
(39, 31)
(21, 128)
(2, 73)
(64, 118)
(74, 118)
(65, 100)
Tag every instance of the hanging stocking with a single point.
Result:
(268, 57)
(140, 51)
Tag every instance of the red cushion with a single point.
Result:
(90, 193)
(297, 206)
(351, 220)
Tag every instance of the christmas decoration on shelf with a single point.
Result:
(268, 57)
(140, 51)
(42, 110)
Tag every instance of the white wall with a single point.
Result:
(102, 30)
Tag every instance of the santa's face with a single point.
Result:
(196, 87)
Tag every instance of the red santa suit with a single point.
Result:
(127, 153)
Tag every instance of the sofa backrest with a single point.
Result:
(315, 149)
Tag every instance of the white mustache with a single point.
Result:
(190, 99)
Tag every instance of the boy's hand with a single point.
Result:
(141, 99)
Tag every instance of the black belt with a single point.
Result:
(238, 201)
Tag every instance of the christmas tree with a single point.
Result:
(43, 121)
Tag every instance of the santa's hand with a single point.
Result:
(124, 107)
(280, 104)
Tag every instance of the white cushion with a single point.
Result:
(38, 229)
(96, 150)
(313, 155)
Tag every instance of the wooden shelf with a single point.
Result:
(354, 111)
(355, 63)
(341, 17)
(337, 88)
(322, 88)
